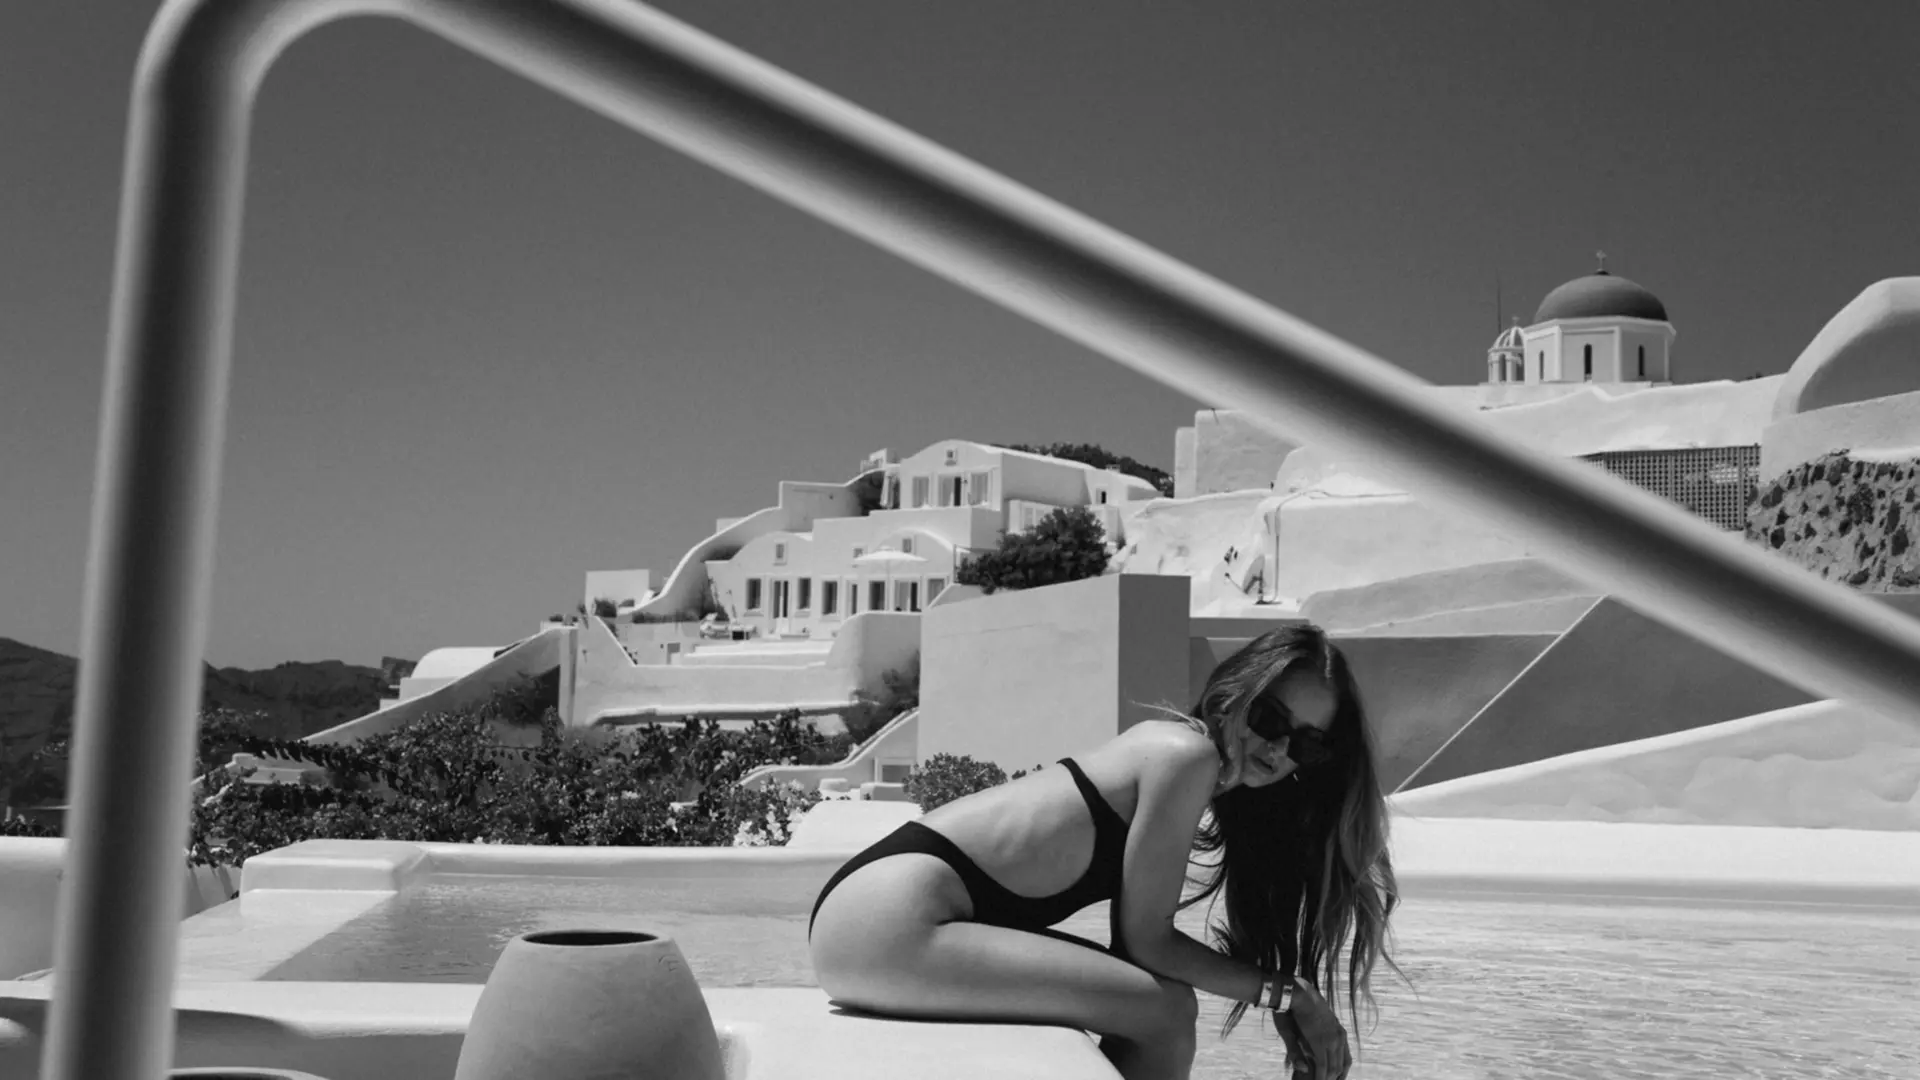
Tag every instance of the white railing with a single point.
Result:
(163, 426)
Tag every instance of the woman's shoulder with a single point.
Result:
(1168, 743)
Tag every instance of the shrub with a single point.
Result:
(450, 777)
(900, 693)
(869, 491)
(22, 825)
(604, 607)
(763, 817)
(1069, 544)
(946, 777)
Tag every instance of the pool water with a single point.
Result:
(1500, 988)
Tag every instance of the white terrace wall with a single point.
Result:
(626, 588)
(1343, 542)
(884, 758)
(537, 655)
(655, 643)
(1230, 451)
(800, 503)
(31, 869)
(1883, 423)
(1028, 677)
(609, 688)
(1032, 478)
(825, 555)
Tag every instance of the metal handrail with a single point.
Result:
(150, 560)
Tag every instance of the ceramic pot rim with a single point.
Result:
(589, 938)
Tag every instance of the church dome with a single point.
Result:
(1512, 339)
(1600, 295)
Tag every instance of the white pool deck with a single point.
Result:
(292, 897)
(412, 1031)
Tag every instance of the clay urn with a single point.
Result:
(591, 1005)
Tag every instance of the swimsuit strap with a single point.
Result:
(1105, 817)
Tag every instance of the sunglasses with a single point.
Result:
(1307, 747)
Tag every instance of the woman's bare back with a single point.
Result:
(1035, 835)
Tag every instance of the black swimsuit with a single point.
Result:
(994, 903)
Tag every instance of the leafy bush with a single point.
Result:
(1089, 454)
(604, 607)
(451, 777)
(1068, 544)
(22, 825)
(763, 817)
(900, 693)
(943, 778)
(869, 491)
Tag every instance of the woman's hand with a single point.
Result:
(1316, 1043)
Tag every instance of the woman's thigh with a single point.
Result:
(887, 940)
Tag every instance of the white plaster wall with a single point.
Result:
(1605, 343)
(896, 744)
(1042, 479)
(1192, 538)
(1235, 451)
(1824, 765)
(452, 662)
(1599, 418)
(827, 554)
(1333, 542)
(31, 869)
(536, 655)
(1877, 424)
(619, 586)
(1657, 346)
(800, 504)
(1185, 478)
(655, 643)
(1421, 596)
(1583, 419)
(1543, 353)
(1028, 677)
(947, 459)
(412, 686)
(1867, 350)
(609, 687)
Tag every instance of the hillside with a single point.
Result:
(293, 699)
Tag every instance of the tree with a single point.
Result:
(1068, 544)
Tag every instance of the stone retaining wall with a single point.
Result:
(1855, 521)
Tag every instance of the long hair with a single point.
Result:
(1302, 863)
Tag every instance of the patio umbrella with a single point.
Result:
(888, 558)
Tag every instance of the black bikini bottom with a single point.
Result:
(993, 903)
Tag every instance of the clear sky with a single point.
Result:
(488, 341)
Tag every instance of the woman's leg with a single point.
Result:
(883, 942)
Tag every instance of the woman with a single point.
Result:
(949, 916)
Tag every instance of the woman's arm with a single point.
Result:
(1177, 772)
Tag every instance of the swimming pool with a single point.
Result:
(1506, 987)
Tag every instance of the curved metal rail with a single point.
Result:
(167, 368)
